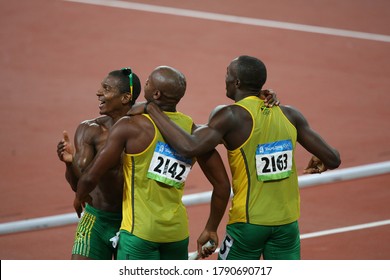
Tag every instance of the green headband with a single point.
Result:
(130, 78)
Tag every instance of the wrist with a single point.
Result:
(151, 107)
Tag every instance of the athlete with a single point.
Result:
(155, 223)
(260, 143)
(103, 213)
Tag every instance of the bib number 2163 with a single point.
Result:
(274, 160)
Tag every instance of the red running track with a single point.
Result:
(55, 53)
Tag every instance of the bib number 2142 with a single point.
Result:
(168, 167)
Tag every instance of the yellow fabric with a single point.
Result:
(274, 202)
(152, 210)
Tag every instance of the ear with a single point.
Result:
(126, 98)
(157, 95)
(237, 83)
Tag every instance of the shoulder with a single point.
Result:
(89, 126)
(293, 114)
(226, 110)
(134, 123)
(89, 131)
(226, 118)
(135, 132)
(288, 109)
(134, 120)
(94, 123)
(219, 108)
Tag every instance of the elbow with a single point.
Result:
(335, 162)
(187, 151)
(89, 181)
(188, 154)
(195, 149)
(72, 182)
(222, 191)
(85, 185)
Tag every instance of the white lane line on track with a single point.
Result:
(345, 229)
(236, 19)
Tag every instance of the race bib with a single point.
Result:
(274, 160)
(225, 247)
(168, 167)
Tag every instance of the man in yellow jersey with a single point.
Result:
(260, 142)
(102, 218)
(155, 223)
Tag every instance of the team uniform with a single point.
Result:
(155, 222)
(266, 203)
(93, 234)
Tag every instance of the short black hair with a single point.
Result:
(251, 72)
(124, 84)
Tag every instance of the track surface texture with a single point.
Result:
(54, 54)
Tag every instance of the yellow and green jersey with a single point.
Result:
(153, 189)
(265, 181)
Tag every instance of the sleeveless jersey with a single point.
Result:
(153, 189)
(264, 177)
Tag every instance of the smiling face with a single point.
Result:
(109, 96)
